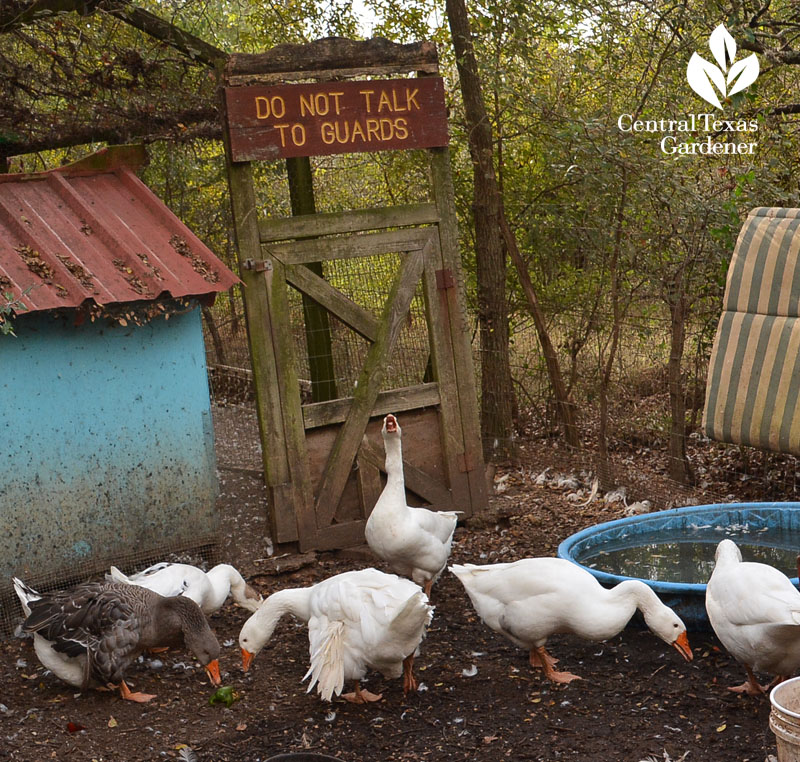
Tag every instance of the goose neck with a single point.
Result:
(294, 601)
(176, 616)
(223, 578)
(394, 459)
(637, 595)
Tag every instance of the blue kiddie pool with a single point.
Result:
(673, 551)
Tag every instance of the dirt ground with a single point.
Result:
(479, 698)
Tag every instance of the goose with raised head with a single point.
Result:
(209, 590)
(101, 627)
(415, 542)
(529, 600)
(358, 620)
(754, 609)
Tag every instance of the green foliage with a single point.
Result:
(10, 306)
(605, 220)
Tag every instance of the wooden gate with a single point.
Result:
(323, 460)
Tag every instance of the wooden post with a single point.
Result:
(277, 394)
(319, 346)
(459, 335)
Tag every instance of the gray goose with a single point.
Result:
(106, 625)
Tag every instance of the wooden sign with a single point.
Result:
(317, 119)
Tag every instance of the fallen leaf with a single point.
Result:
(721, 727)
(74, 727)
(241, 726)
(112, 723)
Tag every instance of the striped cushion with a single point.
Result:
(753, 389)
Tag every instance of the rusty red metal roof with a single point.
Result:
(94, 231)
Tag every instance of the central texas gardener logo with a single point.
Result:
(729, 77)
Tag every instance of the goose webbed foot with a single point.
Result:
(361, 696)
(129, 695)
(540, 658)
(751, 686)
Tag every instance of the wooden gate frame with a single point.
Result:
(271, 254)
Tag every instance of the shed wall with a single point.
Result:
(107, 441)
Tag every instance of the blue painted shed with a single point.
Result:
(105, 425)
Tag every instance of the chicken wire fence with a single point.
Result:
(637, 465)
(202, 552)
(365, 281)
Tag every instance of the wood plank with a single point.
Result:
(444, 371)
(392, 401)
(291, 406)
(364, 245)
(335, 223)
(416, 479)
(344, 535)
(305, 119)
(332, 53)
(465, 388)
(362, 321)
(283, 526)
(368, 474)
(368, 386)
(329, 75)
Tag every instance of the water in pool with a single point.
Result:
(687, 556)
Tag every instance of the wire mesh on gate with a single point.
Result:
(366, 281)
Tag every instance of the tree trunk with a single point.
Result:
(679, 468)
(604, 470)
(216, 339)
(497, 390)
(319, 344)
(565, 407)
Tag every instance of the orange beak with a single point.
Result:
(212, 669)
(247, 660)
(683, 647)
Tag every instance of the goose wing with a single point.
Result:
(526, 579)
(753, 594)
(96, 619)
(25, 594)
(169, 580)
(441, 524)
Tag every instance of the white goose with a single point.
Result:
(357, 621)
(531, 599)
(754, 610)
(415, 542)
(209, 590)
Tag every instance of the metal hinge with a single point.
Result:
(445, 279)
(257, 265)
